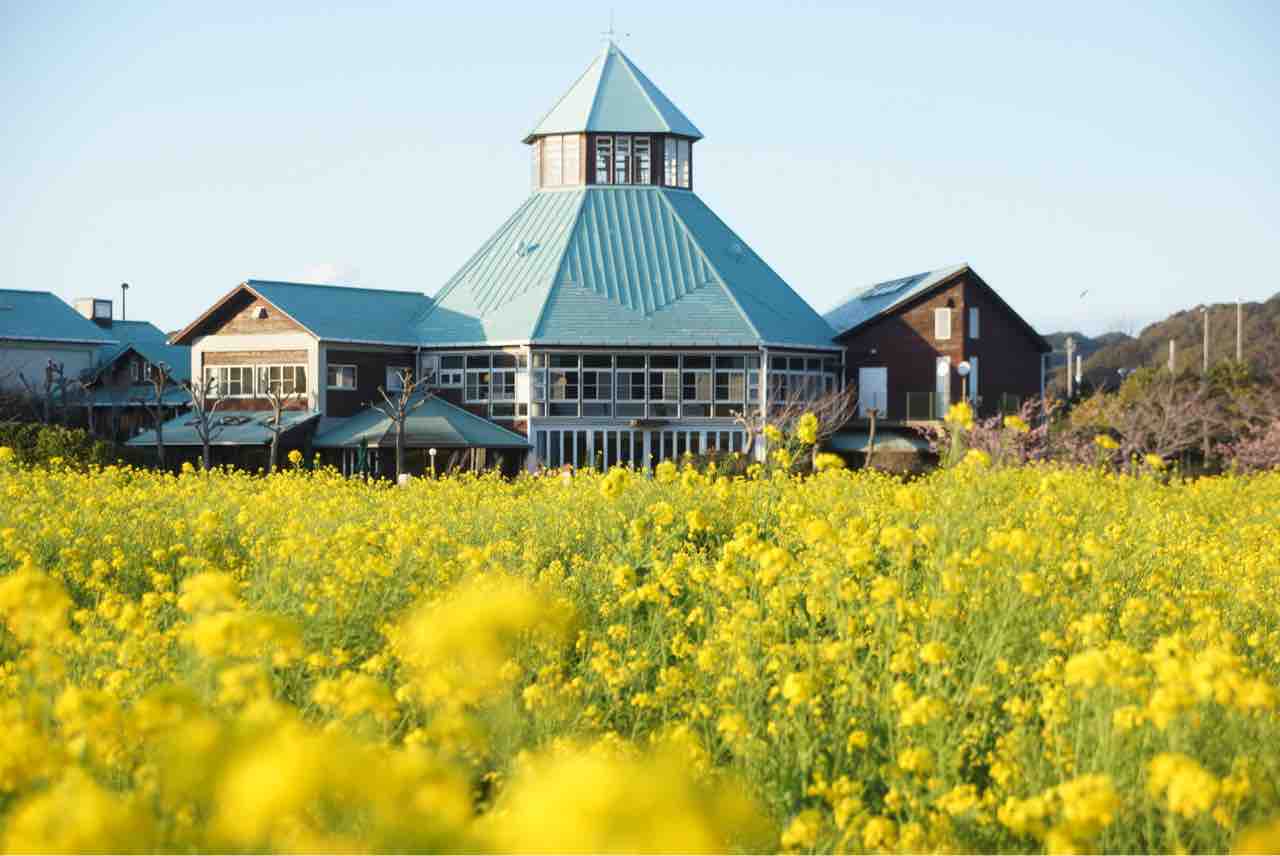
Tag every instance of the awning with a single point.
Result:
(229, 428)
(138, 395)
(434, 424)
(887, 440)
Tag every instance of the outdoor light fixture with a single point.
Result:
(432, 453)
(963, 370)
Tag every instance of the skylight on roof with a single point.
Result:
(891, 287)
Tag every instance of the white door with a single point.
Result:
(944, 386)
(873, 391)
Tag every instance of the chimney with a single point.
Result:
(95, 309)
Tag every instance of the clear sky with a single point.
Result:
(1128, 149)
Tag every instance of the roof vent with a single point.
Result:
(737, 251)
(526, 249)
(261, 313)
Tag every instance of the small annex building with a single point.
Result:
(38, 328)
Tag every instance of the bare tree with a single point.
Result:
(54, 393)
(279, 399)
(398, 408)
(204, 404)
(834, 410)
(161, 380)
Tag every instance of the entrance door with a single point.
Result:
(873, 391)
(943, 393)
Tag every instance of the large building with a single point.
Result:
(612, 318)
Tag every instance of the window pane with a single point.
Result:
(572, 163)
(671, 174)
(642, 168)
(551, 161)
(564, 361)
(697, 361)
(683, 155)
(604, 154)
(597, 361)
(631, 361)
(622, 160)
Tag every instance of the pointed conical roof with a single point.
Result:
(612, 95)
(637, 266)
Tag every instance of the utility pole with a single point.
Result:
(1071, 348)
(1204, 369)
(1239, 331)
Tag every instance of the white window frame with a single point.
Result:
(942, 323)
(392, 377)
(338, 368)
(452, 378)
(287, 378)
(603, 148)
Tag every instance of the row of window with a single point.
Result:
(665, 386)
(346, 377)
(251, 381)
(603, 449)
(942, 322)
(618, 158)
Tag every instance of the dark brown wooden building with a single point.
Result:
(909, 343)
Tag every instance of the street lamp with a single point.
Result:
(432, 453)
(963, 370)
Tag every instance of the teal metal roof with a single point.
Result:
(619, 265)
(40, 316)
(612, 95)
(137, 395)
(343, 313)
(872, 301)
(434, 424)
(233, 428)
(151, 343)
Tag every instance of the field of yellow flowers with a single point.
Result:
(991, 659)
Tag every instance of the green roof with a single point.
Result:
(151, 343)
(41, 316)
(643, 266)
(434, 424)
(343, 313)
(232, 428)
(612, 95)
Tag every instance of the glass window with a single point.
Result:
(682, 147)
(395, 378)
(478, 384)
(630, 361)
(503, 387)
(564, 385)
(942, 323)
(604, 156)
(696, 386)
(571, 163)
(504, 360)
(621, 160)
(642, 168)
(670, 172)
(973, 322)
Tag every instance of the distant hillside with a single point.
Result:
(1105, 355)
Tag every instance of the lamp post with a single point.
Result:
(432, 453)
(963, 370)
(124, 292)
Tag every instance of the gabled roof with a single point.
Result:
(435, 423)
(40, 316)
(868, 303)
(149, 342)
(232, 428)
(619, 266)
(614, 95)
(336, 313)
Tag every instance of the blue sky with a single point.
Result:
(1128, 149)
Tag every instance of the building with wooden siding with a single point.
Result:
(905, 339)
(613, 318)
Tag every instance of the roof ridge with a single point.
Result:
(706, 257)
(334, 285)
(457, 279)
(595, 96)
(538, 124)
(555, 276)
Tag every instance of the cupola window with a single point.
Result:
(623, 159)
(676, 164)
(557, 161)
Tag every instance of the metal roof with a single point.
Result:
(346, 313)
(436, 423)
(137, 395)
(869, 302)
(619, 265)
(614, 95)
(150, 342)
(40, 316)
(233, 428)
